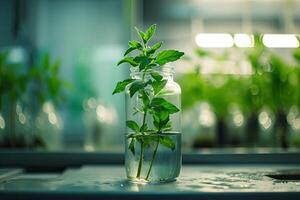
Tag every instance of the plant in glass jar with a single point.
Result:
(153, 137)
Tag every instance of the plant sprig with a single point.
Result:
(146, 59)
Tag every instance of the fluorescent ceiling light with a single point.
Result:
(243, 40)
(280, 41)
(210, 40)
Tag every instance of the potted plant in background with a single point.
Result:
(13, 85)
(153, 101)
(47, 92)
(27, 88)
(213, 89)
(282, 94)
(294, 117)
(252, 91)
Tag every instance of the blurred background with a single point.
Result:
(240, 77)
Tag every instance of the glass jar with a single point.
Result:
(153, 156)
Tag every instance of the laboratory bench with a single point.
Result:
(78, 175)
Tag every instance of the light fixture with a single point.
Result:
(243, 40)
(211, 40)
(280, 41)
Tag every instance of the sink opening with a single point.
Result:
(286, 175)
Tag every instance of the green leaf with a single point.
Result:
(141, 34)
(129, 60)
(154, 48)
(164, 122)
(149, 66)
(136, 86)
(160, 119)
(163, 115)
(149, 33)
(144, 128)
(156, 120)
(145, 98)
(143, 61)
(135, 44)
(168, 126)
(133, 125)
(131, 146)
(129, 50)
(120, 87)
(167, 142)
(168, 56)
(144, 64)
(160, 104)
(158, 86)
(156, 76)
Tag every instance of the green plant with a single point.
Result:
(269, 86)
(48, 85)
(253, 89)
(213, 88)
(28, 86)
(13, 85)
(280, 87)
(193, 85)
(273, 85)
(148, 90)
(295, 77)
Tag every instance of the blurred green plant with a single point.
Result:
(273, 85)
(13, 85)
(47, 83)
(295, 77)
(28, 86)
(46, 86)
(252, 90)
(280, 96)
(214, 89)
(192, 92)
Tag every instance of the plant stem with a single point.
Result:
(142, 144)
(140, 161)
(144, 117)
(153, 157)
(142, 150)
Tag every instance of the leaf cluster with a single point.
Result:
(43, 78)
(13, 82)
(146, 56)
(49, 86)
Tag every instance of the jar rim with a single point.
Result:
(166, 69)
